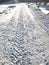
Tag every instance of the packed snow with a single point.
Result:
(24, 35)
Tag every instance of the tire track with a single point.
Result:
(24, 39)
(18, 51)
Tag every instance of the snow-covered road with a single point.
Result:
(24, 39)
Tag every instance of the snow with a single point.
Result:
(44, 10)
(24, 38)
(6, 13)
(42, 64)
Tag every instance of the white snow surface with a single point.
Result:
(44, 10)
(24, 39)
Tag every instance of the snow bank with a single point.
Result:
(44, 10)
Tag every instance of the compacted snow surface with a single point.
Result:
(24, 35)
